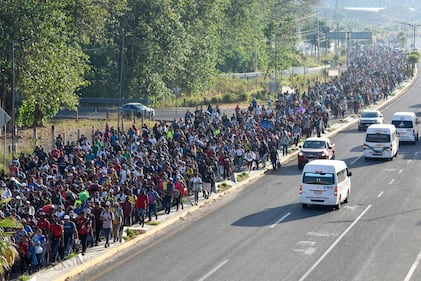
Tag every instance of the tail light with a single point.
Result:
(364, 146)
(300, 189)
(391, 147)
(336, 191)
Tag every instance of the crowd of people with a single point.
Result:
(82, 192)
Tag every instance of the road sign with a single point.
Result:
(352, 35)
(4, 117)
(176, 91)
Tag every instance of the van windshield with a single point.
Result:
(377, 138)
(402, 124)
(316, 178)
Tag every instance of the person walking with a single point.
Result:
(153, 198)
(107, 222)
(83, 225)
(117, 221)
(97, 211)
(141, 206)
(70, 235)
(197, 187)
(284, 142)
(250, 158)
(273, 155)
(57, 238)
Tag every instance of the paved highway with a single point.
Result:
(262, 233)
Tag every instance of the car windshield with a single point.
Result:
(318, 178)
(377, 138)
(314, 144)
(402, 124)
(369, 114)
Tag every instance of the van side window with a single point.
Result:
(341, 175)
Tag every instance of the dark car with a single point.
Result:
(315, 148)
(137, 109)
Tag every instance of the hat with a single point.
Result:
(18, 197)
(66, 217)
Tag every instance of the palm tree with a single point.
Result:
(8, 252)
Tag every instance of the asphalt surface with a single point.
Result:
(258, 231)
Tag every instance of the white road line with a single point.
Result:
(413, 267)
(391, 181)
(281, 219)
(400, 171)
(356, 159)
(215, 269)
(409, 161)
(334, 244)
(380, 194)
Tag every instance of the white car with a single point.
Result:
(369, 117)
(137, 108)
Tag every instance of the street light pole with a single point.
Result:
(13, 102)
(176, 92)
(121, 85)
(414, 26)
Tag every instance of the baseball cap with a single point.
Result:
(66, 217)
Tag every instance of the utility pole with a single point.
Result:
(413, 26)
(121, 86)
(13, 102)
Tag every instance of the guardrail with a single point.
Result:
(84, 102)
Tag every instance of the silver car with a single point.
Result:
(137, 109)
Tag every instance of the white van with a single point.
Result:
(381, 141)
(406, 124)
(325, 182)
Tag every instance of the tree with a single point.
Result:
(50, 62)
(413, 58)
(8, 252)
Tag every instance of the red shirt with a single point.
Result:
(141, 201)
(56, 230)
(44, 225)
(83, 225)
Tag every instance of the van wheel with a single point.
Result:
(304, 206)
(346, 199)
(338, 206)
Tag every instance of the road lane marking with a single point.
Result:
(334, 244)
(400, 171)
(356, 159)
(413, 267)
(281, 219)
(215, 269)
(409, 161)
(321, 234)
(391, 181)
(309, 243)
(380, 194)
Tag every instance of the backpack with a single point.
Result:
(151, 197)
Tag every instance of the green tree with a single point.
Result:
(8, 252)
(413, 58)
(49, 61)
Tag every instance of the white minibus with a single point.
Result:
(325, 182)
(406, 124)
(381, 141)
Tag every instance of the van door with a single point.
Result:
(319, 188)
